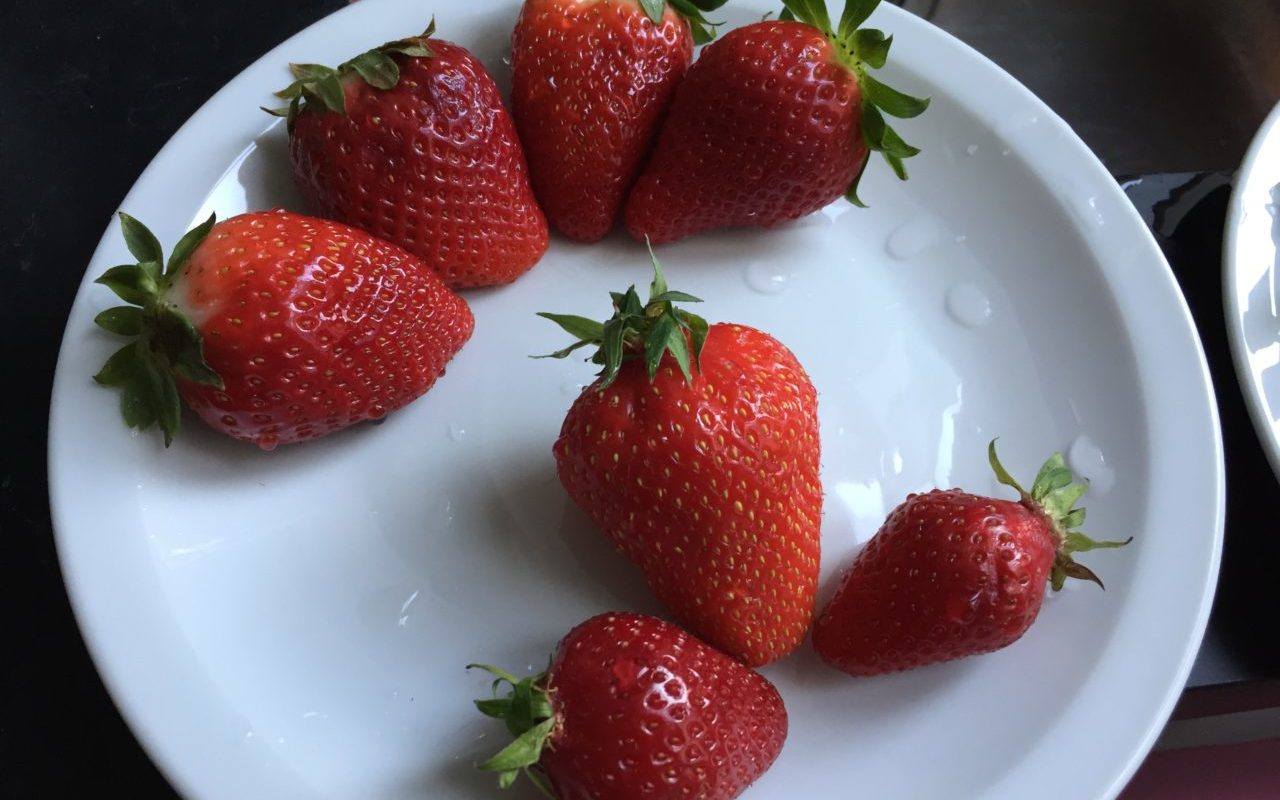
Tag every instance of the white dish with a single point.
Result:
(1250, 259)
(294, 624)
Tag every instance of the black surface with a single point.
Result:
(90, 96)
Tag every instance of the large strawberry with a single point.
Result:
(634, 708)
(410, 142)
(275, 327)
(696, 452)
(951, 574)
(591, 81)
(775, 120)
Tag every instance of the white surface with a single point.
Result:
(1249, 287)
(295, 624)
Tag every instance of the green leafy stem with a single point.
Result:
(703, 29)
(165, 345)
(527, 712)
(1055, 494)
(646, 330)
(316, 86)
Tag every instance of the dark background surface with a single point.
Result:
(92, 92)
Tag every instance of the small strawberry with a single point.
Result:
(952, 574)
(701, 467)
(634, 708)
(590, 83)
(410, 142)
(775, 120)
(275, 327)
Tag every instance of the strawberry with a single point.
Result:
(696, 452)
(774, 120)
(951, 574)
(410, 142)
(634, 708)
(590, 83)
(275, 327)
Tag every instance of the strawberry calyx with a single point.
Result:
(164, 346)
(703, 30)
(648, 330)
(1054, 494)
(860, 50)
(528, 714)
(317, 87)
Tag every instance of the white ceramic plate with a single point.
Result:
(294, 624)
(1250, 260)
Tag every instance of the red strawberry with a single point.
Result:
(775, 120)
(590, 83)
(633, 708)
(952, 574)
(703, 470)
(411, 143)
(275, 327)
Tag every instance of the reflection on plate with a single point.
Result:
(1250, 262)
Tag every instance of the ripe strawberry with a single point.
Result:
(275, 327)
(590, 83)
(410, 142)
(951, 574)
(634, 708)
(775, 120)
(702, 471)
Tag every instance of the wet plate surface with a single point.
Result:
(295, 623)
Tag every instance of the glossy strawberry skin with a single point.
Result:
(644, 710)
(948, 575)
(591, 82)
(711, 488)
(432, 165)
(312, 326)
(764, 128)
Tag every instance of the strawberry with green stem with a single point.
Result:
(696, 452)
(275, 327)
(634, 708)
(775, 120)
(410, 142)
(591, 82)
(951, 574)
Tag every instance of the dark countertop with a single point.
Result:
(1154, 86)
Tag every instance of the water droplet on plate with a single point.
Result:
(961, 238)
(1086, 460)
(765, 278)
(1016, 123)
(968, 305)
(971, 150)
(572, 387)
(911, 239)
(456, 432)
(1085, 209)
(835, 210)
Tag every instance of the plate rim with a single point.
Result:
(1259, 413)
(179, 774)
